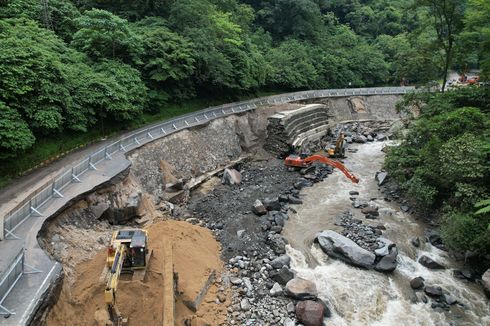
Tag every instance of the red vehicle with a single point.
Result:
(303, 162)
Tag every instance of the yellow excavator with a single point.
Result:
(339, 149)
(128, 253)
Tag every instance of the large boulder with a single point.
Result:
(417, 283)
(277, 243)
(310, 313)
(301, 289)
(433, 291)
(486, 283)
(430, 263)
(231, 177)
(338, 246)
(387, 264)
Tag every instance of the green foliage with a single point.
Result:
(445, 162)
(467, 232)
(291, 66)
(69, 66)
(15, 135)
(124, 94)
(476, 33)
(484, 207)
(102, 35)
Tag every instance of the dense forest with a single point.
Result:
(70, 67)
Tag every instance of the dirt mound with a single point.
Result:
(195, 253)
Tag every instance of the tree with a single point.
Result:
(300, 19)
(15, 135)
(168, 61)
(476, 33)
(447, 21)
(291, 65)
(102, 35)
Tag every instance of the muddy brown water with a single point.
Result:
(363, 297)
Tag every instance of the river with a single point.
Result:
(365, 297)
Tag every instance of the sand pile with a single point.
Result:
(195, 253)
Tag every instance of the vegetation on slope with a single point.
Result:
(69, 68)
(443, 164)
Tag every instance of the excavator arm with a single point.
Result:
(332, 163)
(112, 282)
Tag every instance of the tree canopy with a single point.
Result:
(73, 65)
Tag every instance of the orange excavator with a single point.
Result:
(299, 161)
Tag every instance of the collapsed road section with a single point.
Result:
(244, 137)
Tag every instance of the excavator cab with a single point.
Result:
(136, 243)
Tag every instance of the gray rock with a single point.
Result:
(485, 279)
(290, 308)
(449, 299)
(276, 290)
(231, 177)
(381, 177)
(288, 322)
(235, 281)
(430, 263)
(381, 137)
(433, 291)
(248, 284)
(280, 261)
(415, 242)
(258, 208)
(404, 208)
(245, 304)
(359, 203)
(338, 246)
(301, 289)
(240, 233)
(360, 139)
(370, 210)
(294, 200)
(417, 283)
(384, 246)
(282, 276)
(277, 243)
(272, 204)
(388, 263)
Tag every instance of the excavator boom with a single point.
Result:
(297, 161)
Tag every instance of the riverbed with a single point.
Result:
(365, 297)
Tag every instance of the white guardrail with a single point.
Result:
(33, 205)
